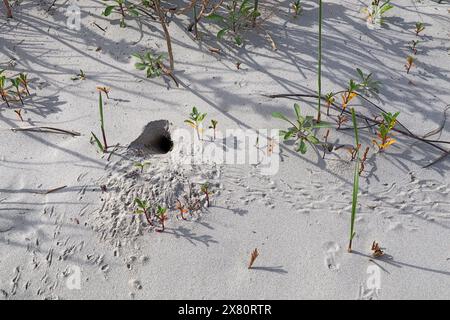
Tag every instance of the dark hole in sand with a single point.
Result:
(155, 138)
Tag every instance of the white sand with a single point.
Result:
(298, 219)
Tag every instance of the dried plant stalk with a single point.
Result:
(253, 257)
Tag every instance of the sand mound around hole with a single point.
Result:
(159, 181)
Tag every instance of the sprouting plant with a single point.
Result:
(19, 114)
(143, 207)
(419, 28)
(142, 165)
(23, 78)
(341, 120)
(238, 15)
(409, 63)
(162, 217)
(195, 120)
(375, 12)
(181, 208)
(3, 91)
(123, 7)
(384, 129)
(205, 189)
(329, 100)
(103, 147)
(367, 85)
(16, 84)
(413, 46)
(355, 184)
(354, 152)
(302, 130)
(151, 63)
(296, 7)
(349, 94)
(105, 90)
(376, 250)
(253, 257)
(363, 161)
(79, 76)
(214, 127)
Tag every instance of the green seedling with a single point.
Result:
(142, 165)
(384, 130)
(103, 147)
(419, 28)
(329, 100)
(214, 127)
(349, 94)
(16, 84)
(367, 85)
(413, 46)
(297, 7)
(3, 91)
(377, 10)
(124, 8)
(409, 63)
(195, 120)
(151, 63)
(79, 76)
(355, 185)
(162, 217)
(143, 207)
(204, 188)
(237, 17)
(256, 12)
(23, 78)
(302, 130)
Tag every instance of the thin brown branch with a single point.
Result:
(162, 20)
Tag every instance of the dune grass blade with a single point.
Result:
(102, 121)
(319, 67)
(355, 183)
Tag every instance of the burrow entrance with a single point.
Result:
(154, 139)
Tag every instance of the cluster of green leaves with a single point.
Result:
(367, 85)
(18, 83)
(419, 27)
(195, 120)
(239, 14)
(144, 207)
(153, 64)
(123, 7)
(378, 9)
(302, 130)
(297, 7)
(384, 129)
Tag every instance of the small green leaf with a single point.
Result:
(108, 10)
(222, 33)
